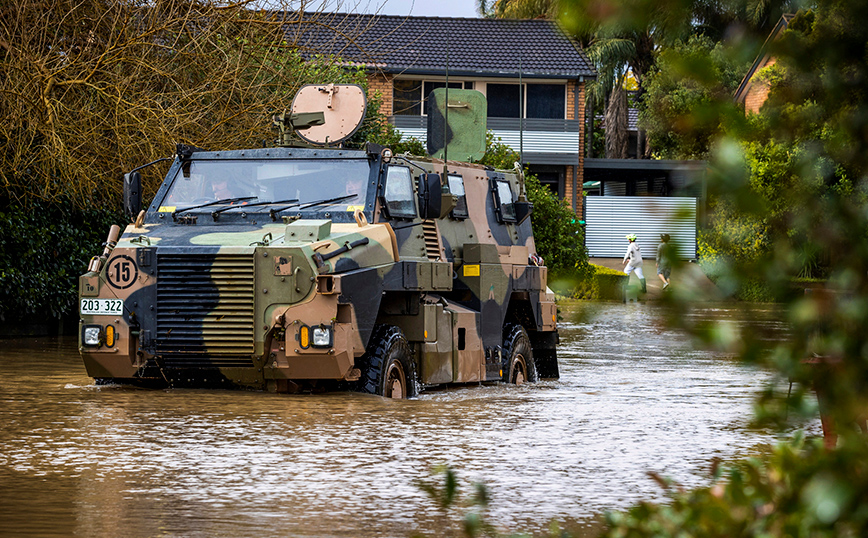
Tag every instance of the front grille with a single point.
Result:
(205, 310)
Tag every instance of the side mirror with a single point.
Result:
(522, 211)
(429, 196)
(132, 194)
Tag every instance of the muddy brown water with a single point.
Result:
(634, 396)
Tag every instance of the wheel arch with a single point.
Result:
(524, 311)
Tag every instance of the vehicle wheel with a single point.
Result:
(387, 368)
(518, 364)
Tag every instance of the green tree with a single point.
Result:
(684, 94)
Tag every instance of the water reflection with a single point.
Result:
(76, 459)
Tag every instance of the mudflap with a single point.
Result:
(545, 353)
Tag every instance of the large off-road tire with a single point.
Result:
(387, 367)
(518, 363)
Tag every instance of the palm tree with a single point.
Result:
(615, 50)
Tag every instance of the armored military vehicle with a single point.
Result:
(308, 268)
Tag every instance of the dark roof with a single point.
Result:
(420, 45)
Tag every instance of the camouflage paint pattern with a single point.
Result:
(462, 136)
(232, 297)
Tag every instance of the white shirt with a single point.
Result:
(634, 254)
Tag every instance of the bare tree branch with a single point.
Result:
(92, 88)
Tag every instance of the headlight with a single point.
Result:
(322, 336)
(91, 335)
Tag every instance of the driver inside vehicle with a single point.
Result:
(221, 189)
(355, 185)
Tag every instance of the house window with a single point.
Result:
(545, 101)
(539, 101)
(407, 98)
(504, 100)
(550, 176)
(407, 95)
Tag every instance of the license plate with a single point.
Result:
(102, 306)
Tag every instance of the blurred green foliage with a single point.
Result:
(790, 190)
(465, 514)
(789, 186)
(799, 490)
(457, 512)
(680, 112)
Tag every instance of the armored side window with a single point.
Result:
(456, 187)
(503, 201)
(399, 197)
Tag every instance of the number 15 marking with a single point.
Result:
(122, 272)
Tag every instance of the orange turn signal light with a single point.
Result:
(304, 336)
(109, 336)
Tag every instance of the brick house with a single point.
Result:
(752, 93)
(532, 75)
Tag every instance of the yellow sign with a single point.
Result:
(166, 209)
(471, 270)
(354, 207)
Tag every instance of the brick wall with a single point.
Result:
(568, 188)
(574, 113)
(757, 92)
(756, 96)
(382, 83)
(571, 99)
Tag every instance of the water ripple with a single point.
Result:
(633, 397)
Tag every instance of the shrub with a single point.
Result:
(43, 250)
(591, 283)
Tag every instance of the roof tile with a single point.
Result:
(422, 44)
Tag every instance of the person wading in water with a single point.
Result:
(664, 263)
(633, 261)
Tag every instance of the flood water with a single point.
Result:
(634, 396)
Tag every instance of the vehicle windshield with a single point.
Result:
(338, 182)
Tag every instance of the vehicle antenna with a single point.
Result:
(520, 111)
(446, 114)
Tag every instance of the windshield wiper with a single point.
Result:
(254, 204)
(328, 201)
(216, 202)
(274, 212)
